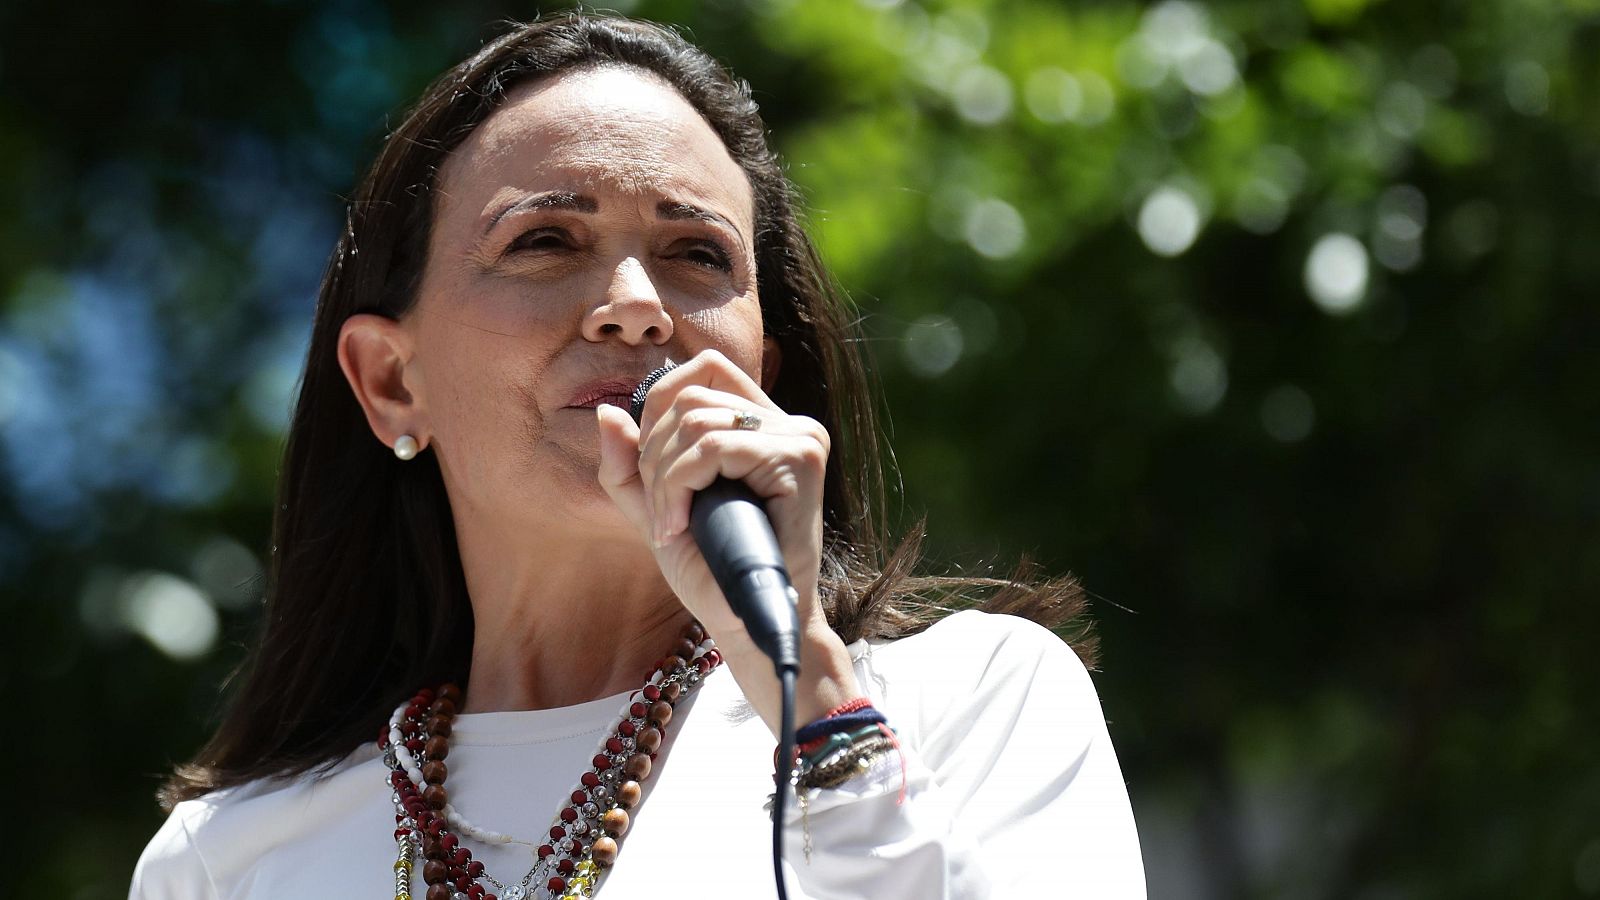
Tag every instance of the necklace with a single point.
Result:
(583, 838)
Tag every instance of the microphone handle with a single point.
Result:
(730, 526)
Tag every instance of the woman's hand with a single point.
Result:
(686, 439)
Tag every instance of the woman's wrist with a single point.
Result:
(827, 676)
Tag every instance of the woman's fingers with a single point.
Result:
(619, 469)
(774, 466)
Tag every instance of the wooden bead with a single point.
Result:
(684, 648)
(649, 740)
(615, 822)
(672, 664)
(440, 892)
(629, 793)
(637, 767)
(434, 772)
(434, 872)
(437, 747)
(439, 726)
(661, 713)
(693, 632)
(435, 796)
(450, 692)
(604, 851)
(443, 707)
(672, 691)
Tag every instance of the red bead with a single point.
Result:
(475, 869)
(652, 693)
(577, 850)
(401, 832)
(703, 664)
(475, 891)
(602, 761)
(627, 727)
(449, 841)
(579, 797)
(434, 826)
(413, 710)
(545, 850)
(637, 710)
(715, 656)
(557, 832)
(414, 745)
(614, 744)
(565, 867)
(463, 883)
(590, 779)
(460, 856)
(557, 885)
(569, 815)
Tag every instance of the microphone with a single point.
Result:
(730, 526)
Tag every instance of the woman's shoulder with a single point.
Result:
(975, 665)
(205, 840)
(977, 646)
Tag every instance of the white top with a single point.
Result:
(1011, 790)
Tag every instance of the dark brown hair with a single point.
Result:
(365, 594)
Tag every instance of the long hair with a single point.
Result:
(366, 599)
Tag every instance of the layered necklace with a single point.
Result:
(582, 842)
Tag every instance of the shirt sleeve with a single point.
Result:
(171, 868)
(1006, 784)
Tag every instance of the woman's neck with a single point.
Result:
(559, 623)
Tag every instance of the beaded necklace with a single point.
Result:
(583, 838)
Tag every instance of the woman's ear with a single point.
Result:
(374, 353)
(771, 360)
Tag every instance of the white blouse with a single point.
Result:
(1009, 788)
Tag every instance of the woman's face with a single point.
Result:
(591, 228)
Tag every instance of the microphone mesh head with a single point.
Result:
(637, 407)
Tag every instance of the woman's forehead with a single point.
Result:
(602, 132)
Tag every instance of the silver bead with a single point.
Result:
(600, 792)
(590, 809)
(580, 827)
(567, 845)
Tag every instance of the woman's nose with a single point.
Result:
(631, 308)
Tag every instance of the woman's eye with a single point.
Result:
(539, 239)
(710, 255)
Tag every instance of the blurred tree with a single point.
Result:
(1276, 322)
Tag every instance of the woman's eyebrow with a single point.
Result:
(677, 209)
(544, 200)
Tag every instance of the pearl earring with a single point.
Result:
(405, 446)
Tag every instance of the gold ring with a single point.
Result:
(745, 421)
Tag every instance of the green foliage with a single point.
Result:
(1274, 322)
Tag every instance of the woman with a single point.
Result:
(486, 587)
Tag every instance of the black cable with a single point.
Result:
(785, 765)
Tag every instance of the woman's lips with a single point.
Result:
(622, 400)
(618, 391)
